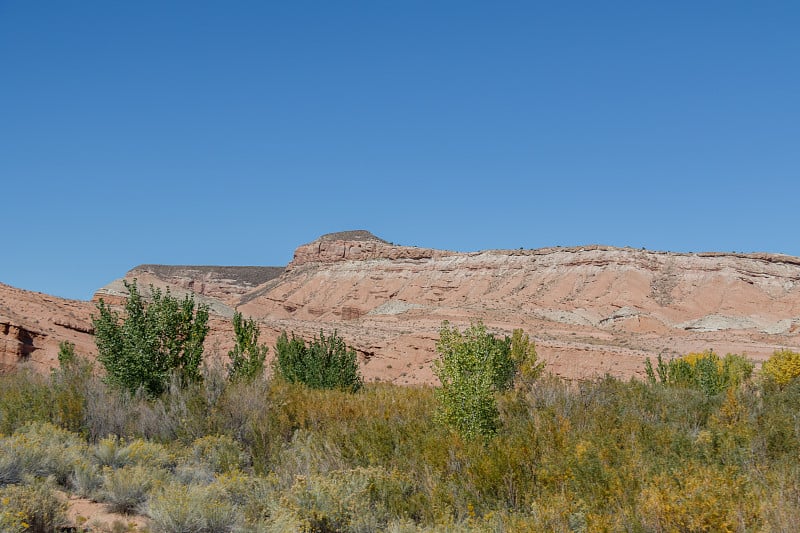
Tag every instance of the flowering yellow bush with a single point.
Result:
(694, 357)
(31, 508)
(151, 454)
(699, 497)
(782, 367)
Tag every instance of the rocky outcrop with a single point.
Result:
(16, 344)
(33, 324)
(357, 246)
(591, 309)
(225, 283)
(219, 287)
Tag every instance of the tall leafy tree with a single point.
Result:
(473, 367)
(247, 356)
(151, 341)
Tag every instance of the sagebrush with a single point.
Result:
(270, 455)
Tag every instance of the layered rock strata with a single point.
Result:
(32, 325)
(591, 309)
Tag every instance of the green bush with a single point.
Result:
(704, 371)
(473, 367)
(526, 361)
(323, 363)
(247, 356)
(152, 341)
(66, 354)
(24, 397)
(70, 384)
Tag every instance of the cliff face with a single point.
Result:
(331, 250)
(33, 324)
(586, 285)
(591, 309)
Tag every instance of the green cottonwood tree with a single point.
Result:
(247, 356)
(151, 341)
(473, 367)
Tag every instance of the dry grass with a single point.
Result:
(597, 455)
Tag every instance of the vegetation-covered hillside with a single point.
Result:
(274, 456)
(702, 445)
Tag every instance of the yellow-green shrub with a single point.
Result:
(704, 371)
(11, 464)
(45, 450)
(112, 452)
(116, 452)
(148, 453)
(782, 367)
(253, 496)
(362, 499)
(24, 397)
(31, 508)
(127, 488)
(698, 497)
(70, 385)
(179, 508)
(220, 452)
(86, 479)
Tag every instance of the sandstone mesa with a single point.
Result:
(591, 309)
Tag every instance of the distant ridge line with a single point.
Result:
(253, 275)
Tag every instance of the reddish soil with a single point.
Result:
(592, 310)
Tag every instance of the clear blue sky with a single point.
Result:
(231, 132)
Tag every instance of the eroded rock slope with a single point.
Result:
(591, 309)
(33, 324)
